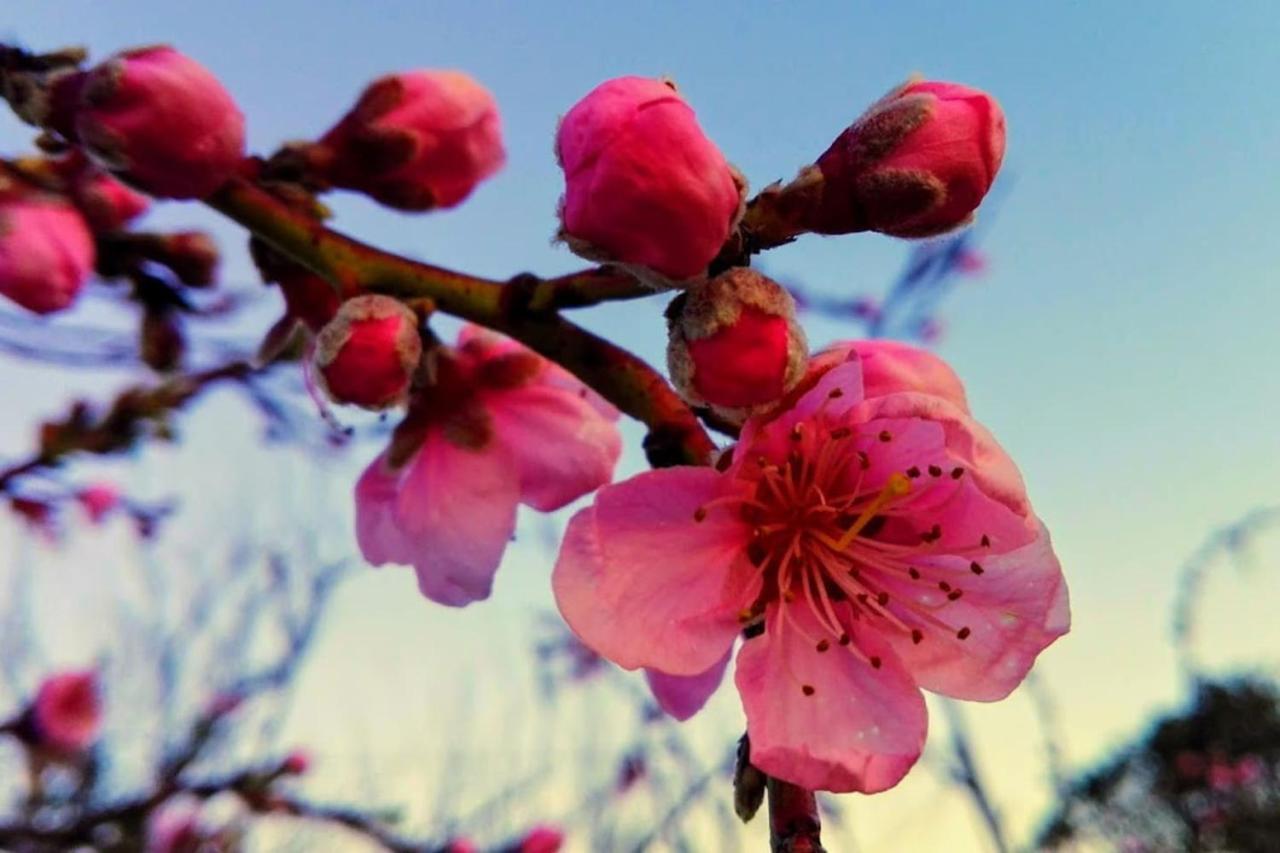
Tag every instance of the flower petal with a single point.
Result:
(828, 720)
(561, 445)
(377, 533)
(455, 511)
(645, 585)
(1013, 610)
(892, 367)
(682, 696)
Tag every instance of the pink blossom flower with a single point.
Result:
(175, 827)
(916, 164)
(866, 546)
(501, 426)
(627, 197)
(162, 120)
(416, 140)
(98, 500)
(46, 252)
(542, 839)
(368, 353)
(67, 712)
(734, 343)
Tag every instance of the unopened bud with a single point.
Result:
(916, 164)
(734, 343)
(192, 256)
(307, 296)
(162, 120)
(106, 203)
(643, 184)
(367, 354)
(296, 763)
(415, 140)
(46, 252)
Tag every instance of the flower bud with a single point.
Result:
(46, 252)
(98, 500)
(542, 839)
(105, 203)
(161, 341)
(162, 121)
(296, 763)
(916, 164)
(67, 712)
(416, 140)
(734, 343)
(643, 184)
(367, 355)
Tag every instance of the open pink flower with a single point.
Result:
(68, 711)
(866, 545)
(501, 426)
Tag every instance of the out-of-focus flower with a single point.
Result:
(296, 763)
(643, 184)
(462, 845)
(67, 711)
(46, 252)
(175, 827)
(971, 262)
(916, 164)
(500, 426)
(866, 546)
(542, 839)
(734, 343)
(160, 119)
(98, 500)
(368, 353)
(415, 140)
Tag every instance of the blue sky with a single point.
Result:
(1123, 346)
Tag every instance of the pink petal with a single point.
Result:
(562, 447)
(860, 729)
(378, 533)
(891, 367)
(834, 394)
(924, 430)
(450, 513)
(645, 585)
(682, 696)
(1013, 611)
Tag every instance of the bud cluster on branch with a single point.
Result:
(865, 536)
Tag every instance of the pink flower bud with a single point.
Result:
(296, 763)
(163, 121)
(542, 839)
(916, 164)
(461, 845)
(68, 711)
(734, 343)
(416, 140)
(98, 500)
(46, 252)
(643, 184)
(367, 355)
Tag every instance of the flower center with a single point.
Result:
(827, 538)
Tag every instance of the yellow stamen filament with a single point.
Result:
(897, 486)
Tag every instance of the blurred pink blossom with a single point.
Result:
(67, 711)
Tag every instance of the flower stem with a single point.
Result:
(522, 309)
(794, 824)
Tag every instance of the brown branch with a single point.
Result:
(120, 426)
(518, 309)
(794, 824)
